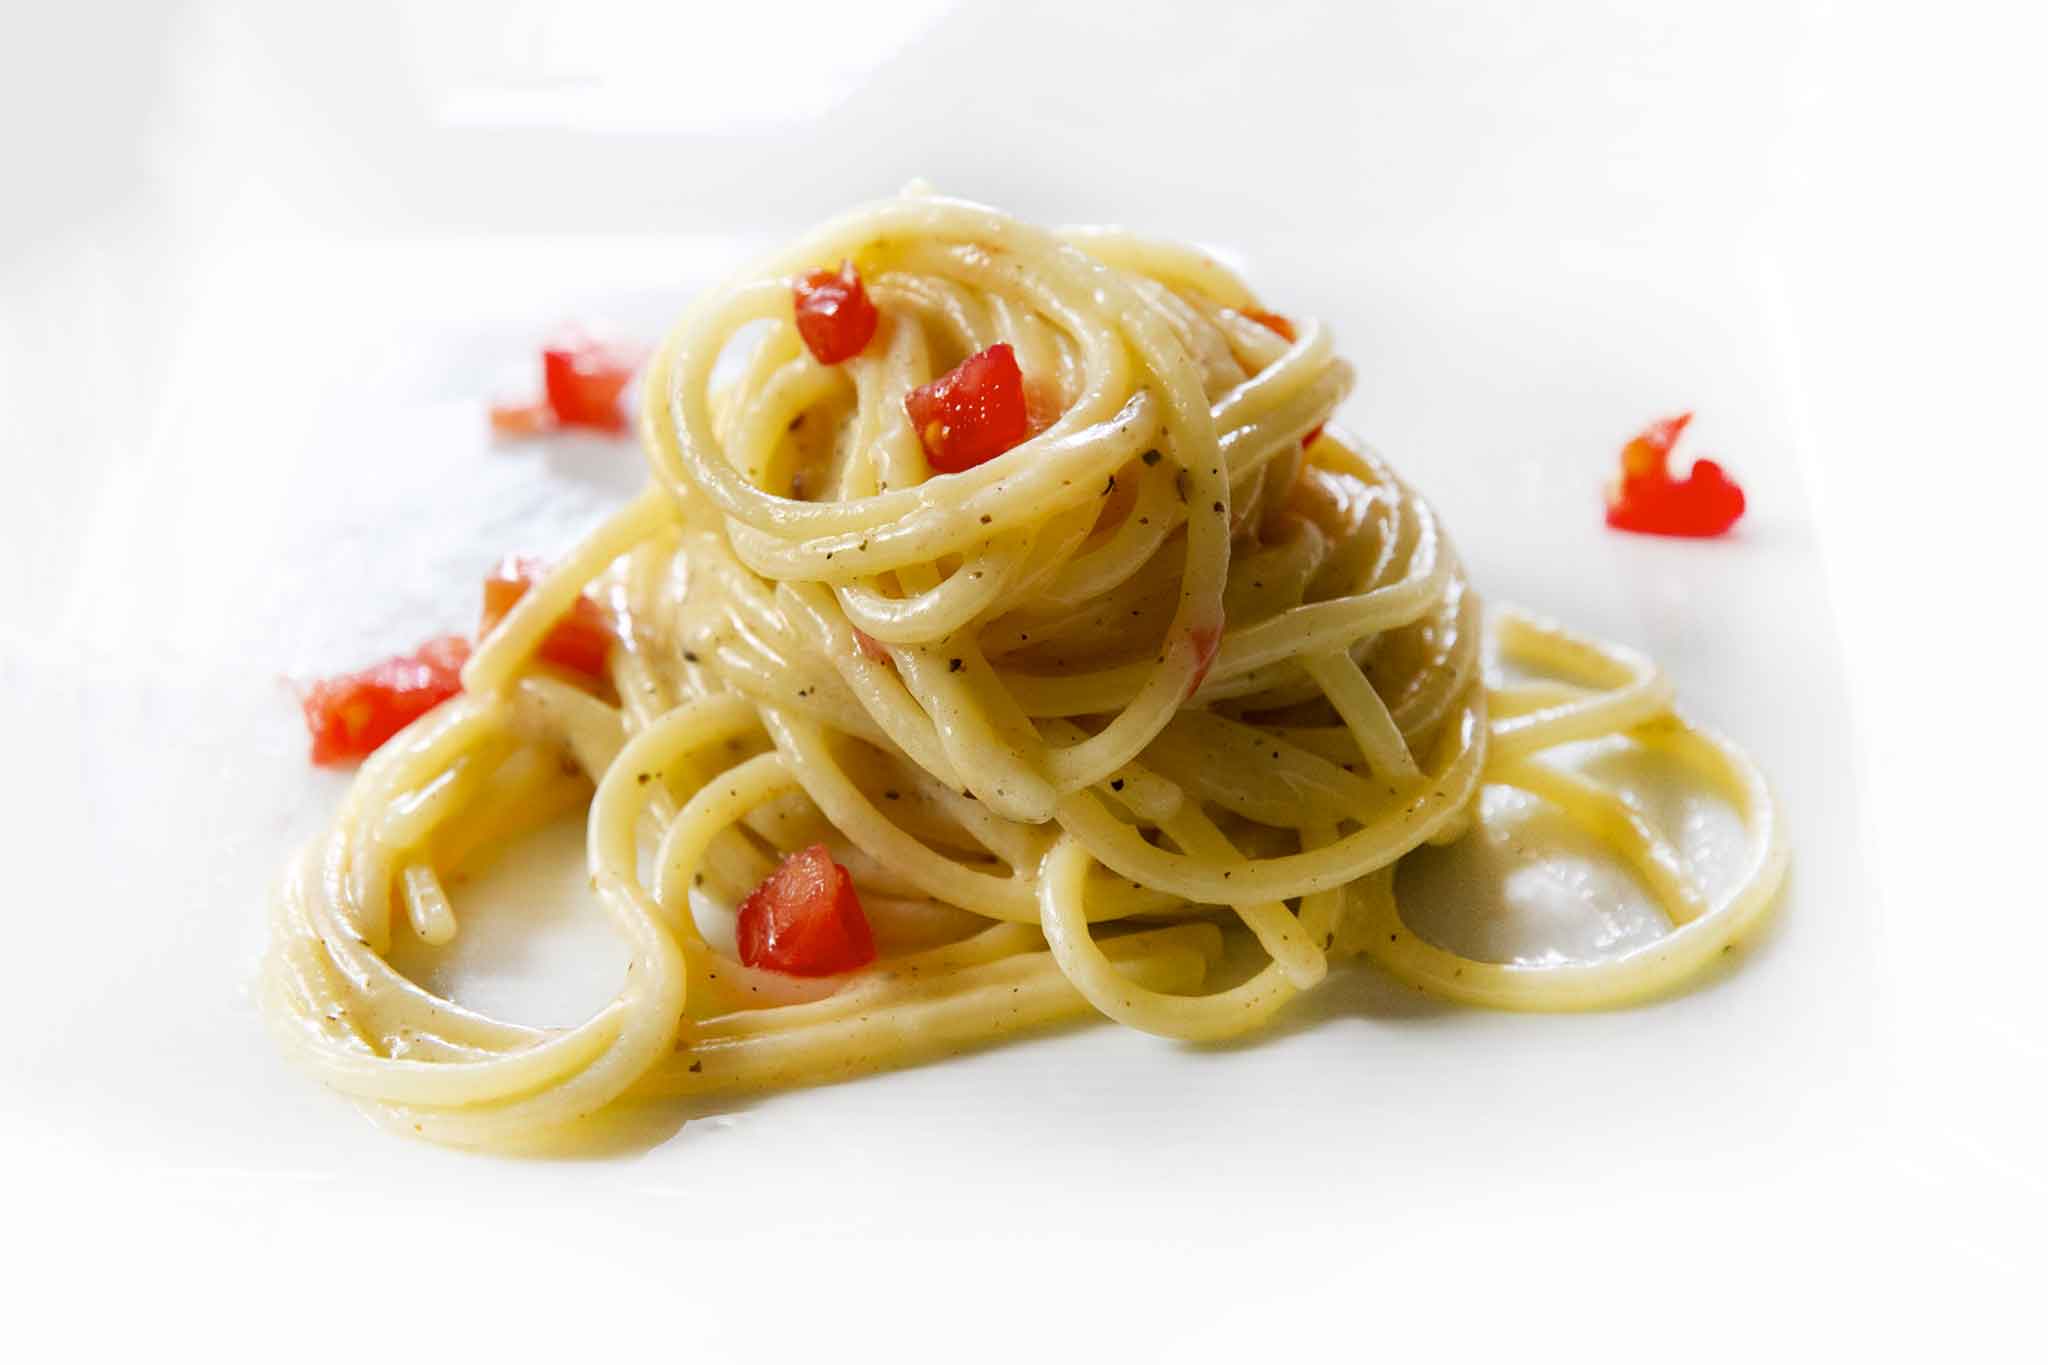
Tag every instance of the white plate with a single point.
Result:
(273, 348)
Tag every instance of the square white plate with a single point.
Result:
(256, 340)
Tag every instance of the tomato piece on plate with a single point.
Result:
(585, 379)
(351, 716)
(806, 919)
(834, 315)
(580, 642)
(515, 420)
(973, 413)
(1706, 502)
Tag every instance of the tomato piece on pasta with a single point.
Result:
(973, 413)
(1274, 322)
(806, 919)
(834, 315)
(351, 716)
(580, 642)
(1706, 502)
(870, 647)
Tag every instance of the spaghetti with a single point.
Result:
(1185, 666)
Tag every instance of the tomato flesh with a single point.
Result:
(806, 919)
(521, 419)
(580, 642)
(834, 315)
(870, 647)
(973, 413)
(1274, 322)
(585, 379)
(1706, 502)
(351, 716)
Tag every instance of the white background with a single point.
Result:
(259, 262)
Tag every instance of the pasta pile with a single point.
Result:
(1165, 675)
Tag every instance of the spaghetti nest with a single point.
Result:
(1182, 667)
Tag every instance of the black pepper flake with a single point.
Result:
(1116, 784)
(1151, 457)
(1109, 487)
(697, 1065)
(1217, 508)
(690, 656)
(644, 778)
(1180, 484)
(893, 794)
(954, 665)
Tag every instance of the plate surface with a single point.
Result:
(294, 253)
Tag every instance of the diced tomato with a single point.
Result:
(834, 315)
(1647, 499)
(585, 378)
(580, 641)
(806, 919)
(870, 647)
(521, 419)
(1207, 641)
(972, 414)
(351, 716)
(1274, 322)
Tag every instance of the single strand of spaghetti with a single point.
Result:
(1371, 725)
(426, 904)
